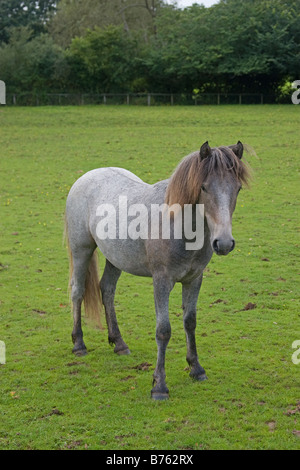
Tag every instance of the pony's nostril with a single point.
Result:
(223, 246)
(216, 245)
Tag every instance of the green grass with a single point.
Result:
(49, 399)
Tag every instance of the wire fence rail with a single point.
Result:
(143, 99)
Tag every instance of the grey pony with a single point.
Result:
(211, 177)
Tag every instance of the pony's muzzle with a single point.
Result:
(223, 246)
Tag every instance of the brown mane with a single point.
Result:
(185, 184)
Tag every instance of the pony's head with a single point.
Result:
(213, 177)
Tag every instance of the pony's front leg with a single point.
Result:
(162, 289)
(190, 294)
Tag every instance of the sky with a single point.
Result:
(187, 3)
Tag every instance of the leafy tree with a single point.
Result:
(102, 60)
(74, 17)
(233, 46)
(184, 53)
(31, 13)
(31, 63)
(260, 42)
(147, 45)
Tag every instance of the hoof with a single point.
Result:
(121, 347)
(159, 392)
(123, 352)
(159, 396)
(199, 378)
(79, 352)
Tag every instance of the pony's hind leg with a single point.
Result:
(81, 261)
(108, 288)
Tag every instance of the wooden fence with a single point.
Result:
(146, 99)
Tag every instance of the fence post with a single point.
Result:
(240, 98)
(261, 99)
(104, 99)
(128, 99)
(14, 99)
(218, 98)
(172, 99)
(149, 99)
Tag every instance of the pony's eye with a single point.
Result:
(203, 188)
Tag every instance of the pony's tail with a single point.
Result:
(92, 296)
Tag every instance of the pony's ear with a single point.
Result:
(237, 149)
(205, 151)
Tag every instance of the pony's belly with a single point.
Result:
(128, 257)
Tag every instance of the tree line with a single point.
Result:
(113, 46)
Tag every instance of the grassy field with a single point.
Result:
(248, 309)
